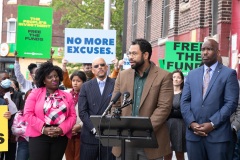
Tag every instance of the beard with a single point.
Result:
(138, 64)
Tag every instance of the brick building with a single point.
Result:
(178, 20)
(8, 21)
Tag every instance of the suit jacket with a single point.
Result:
(156, 103)
(219, 103)
(91, 102)
(34, 115)
(235, 117)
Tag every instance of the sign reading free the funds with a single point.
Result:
(34, 32)
(182, 55)
(84, 45)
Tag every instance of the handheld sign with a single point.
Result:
(126, 63)
(34, 32)
(182, 55)
(3, 129)
(84, 45)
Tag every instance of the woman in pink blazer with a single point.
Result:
(50, 115)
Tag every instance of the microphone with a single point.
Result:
(113, 101)
(125, 97)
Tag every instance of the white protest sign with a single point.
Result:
(126, 63)
(84, 45)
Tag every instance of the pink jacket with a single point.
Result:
(33, 112)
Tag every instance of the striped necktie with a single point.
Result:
(206, 80)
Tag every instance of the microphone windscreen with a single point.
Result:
(117, 96)
(126, 94)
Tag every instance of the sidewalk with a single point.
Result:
(185, 157)
(173, 158)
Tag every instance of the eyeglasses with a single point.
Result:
(97, 65)
(131, 54)
(207, 48)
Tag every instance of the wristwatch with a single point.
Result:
(212, 125)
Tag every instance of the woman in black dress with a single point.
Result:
(175, 122)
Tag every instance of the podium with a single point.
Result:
(125, 131)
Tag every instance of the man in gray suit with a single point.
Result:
(94, 97)
(210, 96)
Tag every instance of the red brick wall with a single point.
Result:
(10, 11)
(129, 25)
(156, 20)
(198, 17)
(141, 19)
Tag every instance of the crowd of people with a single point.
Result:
(197, 114)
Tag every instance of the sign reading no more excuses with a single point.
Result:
(84, 45)
(182, 55)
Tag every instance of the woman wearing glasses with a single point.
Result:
(175, 122)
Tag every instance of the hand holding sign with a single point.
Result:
(16, 56)
(64, 64)
(7, 115)
(115, 62)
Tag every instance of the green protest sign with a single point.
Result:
(34, 32)
(161, 63)
(182, 55)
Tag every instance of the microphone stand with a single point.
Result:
(118, 111)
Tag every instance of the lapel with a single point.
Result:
(213, 79)
(95, 93)
(130, 83)
(153, 72)
(107, 94)
(199, 77)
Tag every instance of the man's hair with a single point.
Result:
(144, 45)
(44, 70)
(31, 67)
(87, 64)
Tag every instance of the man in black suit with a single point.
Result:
(94, 97)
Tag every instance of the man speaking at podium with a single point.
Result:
(151, 90)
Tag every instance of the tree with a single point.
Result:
(89, 14)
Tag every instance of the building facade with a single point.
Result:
(8, 32)
(178, 20)
(235, 36)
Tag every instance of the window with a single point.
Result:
(148, 19)
(12, 2)
(11, 30)
(135, 16)
(45, 2)
(214, 16)
(165, 23)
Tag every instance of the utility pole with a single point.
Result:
(107, 14)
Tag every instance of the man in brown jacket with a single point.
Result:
(151, 89)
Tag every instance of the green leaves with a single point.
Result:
(89, 14)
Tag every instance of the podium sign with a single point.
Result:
(134, 131)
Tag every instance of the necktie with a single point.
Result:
(206, 80)
(101, 86)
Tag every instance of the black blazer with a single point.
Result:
(91, 102)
